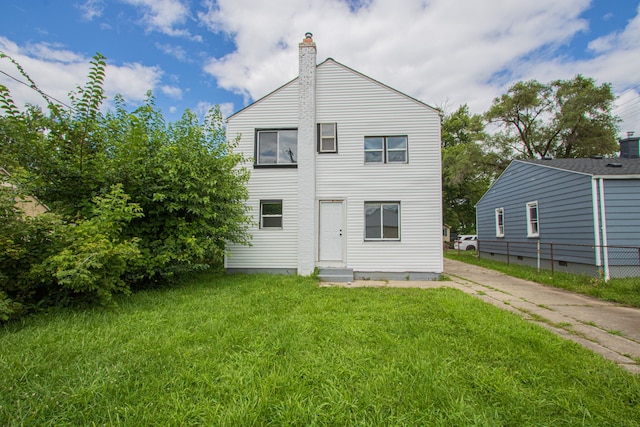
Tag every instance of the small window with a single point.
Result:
(385, 149)
(270, 213)
(327, 138)
(533, 225)
(500, 222)
(277, 147)
(382, 220)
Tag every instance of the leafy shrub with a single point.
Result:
(96, 257)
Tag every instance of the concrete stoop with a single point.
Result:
(336, 274)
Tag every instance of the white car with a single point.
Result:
(467, 242)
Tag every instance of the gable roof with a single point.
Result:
(615, 167)
(331, 60)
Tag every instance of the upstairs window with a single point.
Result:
(533, 225)
(327, 138)
(500, 222)
(382, 220)
(277, 147)
(270, 213)
(385, 149)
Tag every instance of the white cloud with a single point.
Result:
(203, 107)
(165, 16)
(172, 91)
(57, 72)
(91, 9)
(173, 50)
(440, 51)
(226, 109)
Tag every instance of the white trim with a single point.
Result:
(530, 232)
(343, 262)
(499, 232)
(382, 238)
(322, 137)
(605, 240)
(596, 221)
(263, 215)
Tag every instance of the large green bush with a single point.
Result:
(134, 200)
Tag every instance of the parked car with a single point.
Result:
(467, 242)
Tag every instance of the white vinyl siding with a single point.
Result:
(360, 107)
(271, 247)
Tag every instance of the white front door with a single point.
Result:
(331, 231)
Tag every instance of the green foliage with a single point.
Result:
(137, 200)
(564, 118)
(467, 170)
(183, 176)
(95, 257)
(461, 127)
(25, 242)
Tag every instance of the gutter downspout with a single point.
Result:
(605, 249)
(596, 223)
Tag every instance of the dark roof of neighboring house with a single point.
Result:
(593, 166)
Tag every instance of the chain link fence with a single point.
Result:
(607, 262)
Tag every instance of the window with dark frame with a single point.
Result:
(277, 147)
(270, 213)
(382, 220)
(327, 138)
(385, 149)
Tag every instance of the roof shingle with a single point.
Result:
(593, 166)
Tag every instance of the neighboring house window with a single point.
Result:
(500, 222)
(382, 220)
(533, 229)
(277, 147)
(385, 149)
(327, 138)
(270, 213)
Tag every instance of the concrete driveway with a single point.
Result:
(609, 329)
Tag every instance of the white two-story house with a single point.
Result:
(345, 177)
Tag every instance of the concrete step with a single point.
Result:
(336, 274)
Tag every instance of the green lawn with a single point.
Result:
(623, 291)
(268, 350)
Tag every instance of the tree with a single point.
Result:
(137, 199)
(184, 177)
(467, 170)
(564, 118)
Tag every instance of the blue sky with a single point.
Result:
(193, 54)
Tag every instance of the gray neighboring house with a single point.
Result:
(594, 202)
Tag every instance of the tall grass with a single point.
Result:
(624, 291)
(269, 350)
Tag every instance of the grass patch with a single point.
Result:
(623, 291)
(269, 350)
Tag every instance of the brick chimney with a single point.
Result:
(307, 236)
(630, 146)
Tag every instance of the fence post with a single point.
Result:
(551, 254)
(538, 256)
